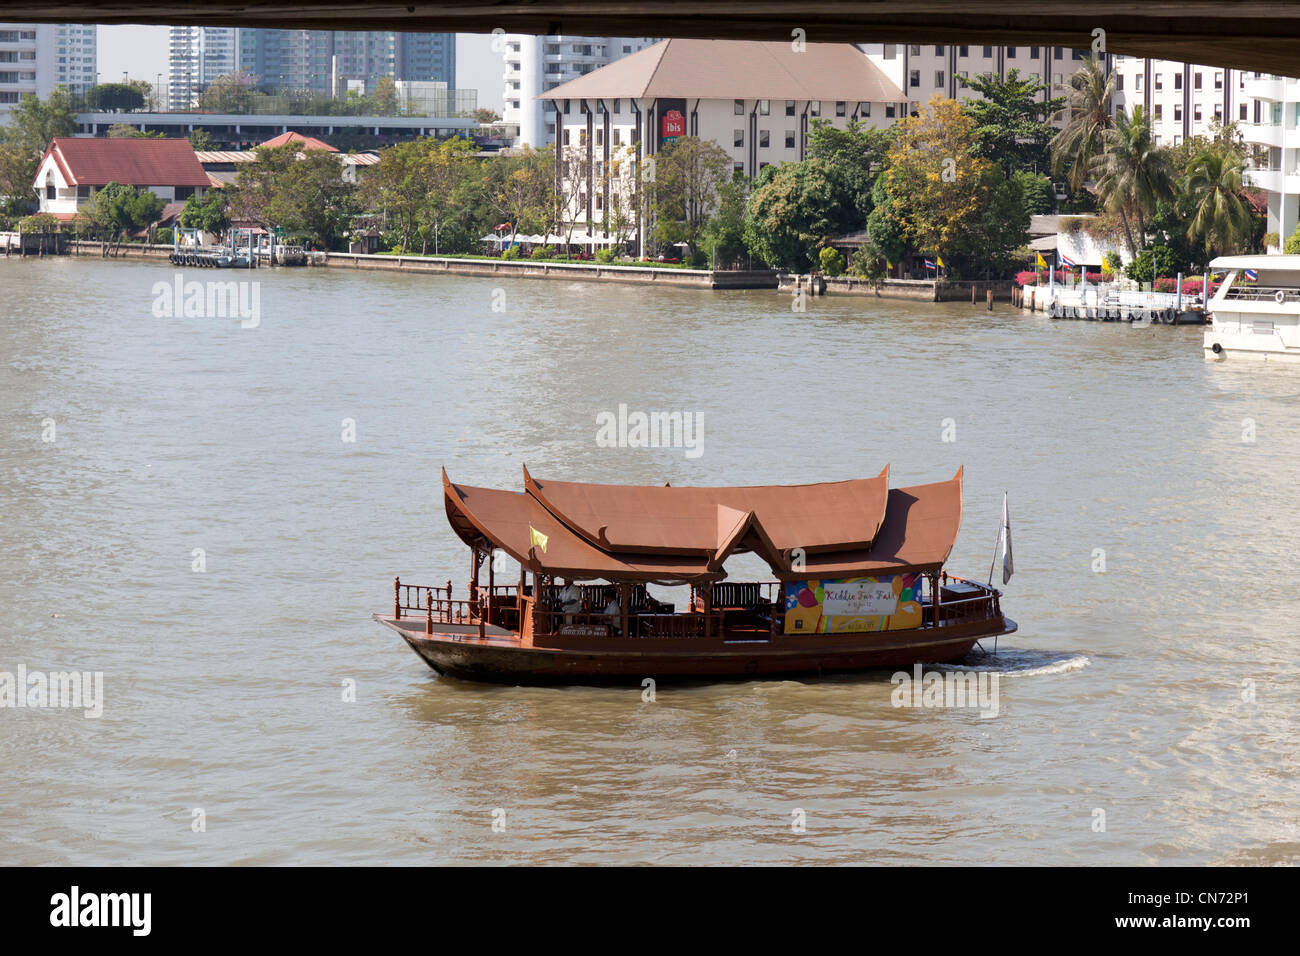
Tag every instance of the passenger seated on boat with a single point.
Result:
(614, 616)
(570, 599)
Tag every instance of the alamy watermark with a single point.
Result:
(935, 689)
(626, 429)
(82, 690)
(211, 299)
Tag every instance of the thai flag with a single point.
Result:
(929, 264)
(1067, 262)
(1252, 275)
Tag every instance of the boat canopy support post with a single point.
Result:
(397, 598)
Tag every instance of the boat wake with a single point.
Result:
(1019, 662)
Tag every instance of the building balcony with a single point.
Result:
(1275, 89)
(1275, 180)
(1265, 134)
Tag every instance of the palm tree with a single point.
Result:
(1087, 117)
(1221, 218)
(1133, 175)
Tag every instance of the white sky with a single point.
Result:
(141, 52)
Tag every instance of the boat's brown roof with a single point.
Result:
(830, 516)
(920, 529)
(681, 535)
(503, 519)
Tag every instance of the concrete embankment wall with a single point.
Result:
(921, 290)
(571, 271)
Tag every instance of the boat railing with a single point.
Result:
(646, 623)
(962, 600)
(419, 598)
(1263, 293)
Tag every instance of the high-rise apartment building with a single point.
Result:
(195, 57)
(37, 57)
(319, 61)
(535, 65)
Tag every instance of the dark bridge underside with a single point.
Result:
(1249, 35)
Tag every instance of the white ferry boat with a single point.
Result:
(1256, 312)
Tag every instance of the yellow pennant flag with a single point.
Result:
(940, 261)
(537, 539)
(1042, 263)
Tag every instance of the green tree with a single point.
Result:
(34, 123)
(831, 261)
(1038, 193)
(1133, 174)
(858, 152)
(127, 131)
(1222, 219)
(201, 139)
(383, 101)
(793, 210)
(1012, 125)
(115, 98)
(1087, 119)
(228, 93)
(209, 213)
(301, 196)
(446, 187)
(689, 172)
(521, 190)
(723, 236)
(1151, 264)
(934, 187)
(119, 208)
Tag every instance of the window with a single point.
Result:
(1058, 52)
(914, 78)
(1137, 83)
(618, 137)
(764, 107)
(916, 49)
(1178, 112)
(1196, 81)
(600, 137)
(1196, 112)
(1155, 140)
(890, 109)
(839, 107)
(1218, 112)
(1033, 53)
(1218, 81)
(814, 107)
(566, 137)
(963, 51)
(938, 77)
(789, 139)
(1178, 141)
(1178, 81)
(1242, 112)
(566, 107)
(738, 168)
(864, 109)
(50, 192)
(1160, 81)
(1119, 82)
(582, 137)
(1011, 53)
(1159, 112)
(789, 107)
(627, 48)
(764, 139)
(938, 49)
(739, 138)
(1075, 55)
(740, 107)
(618, 106)
(988, 53)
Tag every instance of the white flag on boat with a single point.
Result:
(1004, 543)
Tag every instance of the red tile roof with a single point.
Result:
(306, 142)
(134, 162)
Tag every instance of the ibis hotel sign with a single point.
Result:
(672, 125)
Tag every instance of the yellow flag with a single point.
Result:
(1042, 263)
(537, 539)
(940, 261)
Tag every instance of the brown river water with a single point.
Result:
(1147, 711)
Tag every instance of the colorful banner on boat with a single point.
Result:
(832, 606)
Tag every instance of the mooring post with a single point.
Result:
(397, 601)
(990, 299)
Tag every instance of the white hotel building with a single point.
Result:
(756, 100)
(37, 57)
(1275, 129)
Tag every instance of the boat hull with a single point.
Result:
(506, 660)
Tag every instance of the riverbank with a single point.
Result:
(917, 290)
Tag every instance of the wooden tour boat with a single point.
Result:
(858, 566)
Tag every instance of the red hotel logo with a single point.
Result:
(674, 124)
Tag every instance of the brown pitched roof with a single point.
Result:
(737, 69)
(305, 142)
(679, 535)
(135, 161)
